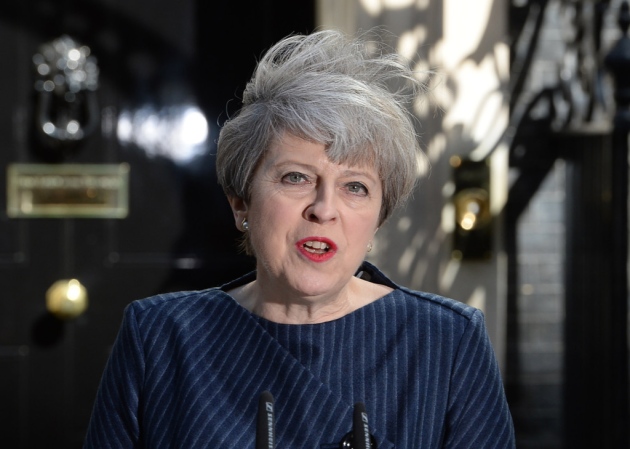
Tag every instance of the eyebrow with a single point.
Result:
(345, 173)
(360, 173)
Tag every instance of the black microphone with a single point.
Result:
(265, 422)
(360, 428)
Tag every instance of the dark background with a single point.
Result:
(179, 233)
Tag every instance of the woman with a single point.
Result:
(319, 156)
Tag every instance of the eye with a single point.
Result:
(357, 188)
(294, 178)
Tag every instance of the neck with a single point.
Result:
(298, 309)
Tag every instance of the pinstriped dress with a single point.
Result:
(187, 369)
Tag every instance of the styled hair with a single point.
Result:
(333, 90)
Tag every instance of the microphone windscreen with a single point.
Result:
(360, 428)
(265, 422)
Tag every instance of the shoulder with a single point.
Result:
(422, 302)
(209, 297)
(434, 315)
(178, 305)
(439, 304)
(165, 322)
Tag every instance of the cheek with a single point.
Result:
(269, 223)
(361, 229)
(271, 213)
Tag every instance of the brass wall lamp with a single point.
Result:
(472, 238)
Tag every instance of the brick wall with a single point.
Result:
(538, 313)
(537, 411)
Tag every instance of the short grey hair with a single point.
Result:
(329, 89)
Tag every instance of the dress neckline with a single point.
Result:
(366, 271)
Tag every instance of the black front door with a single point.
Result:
(147, 111)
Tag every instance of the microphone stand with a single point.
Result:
(265, 423)
(360, 428)
(358, 438)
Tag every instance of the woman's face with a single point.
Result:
(310, 220)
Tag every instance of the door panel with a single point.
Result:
(155, 59)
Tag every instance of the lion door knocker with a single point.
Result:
(66, 82)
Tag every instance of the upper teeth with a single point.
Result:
(317, 245)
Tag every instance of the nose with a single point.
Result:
(323, 208)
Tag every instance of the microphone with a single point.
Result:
(265, 422)
(360, 428)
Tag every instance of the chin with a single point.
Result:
(319, 285)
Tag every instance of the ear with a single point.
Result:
(239, 209)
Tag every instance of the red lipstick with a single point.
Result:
(317, 249)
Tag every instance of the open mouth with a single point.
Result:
(315, 247)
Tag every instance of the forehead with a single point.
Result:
(289, 148)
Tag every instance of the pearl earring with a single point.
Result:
(245, 224)
(369, 247)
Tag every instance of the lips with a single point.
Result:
(317, 249)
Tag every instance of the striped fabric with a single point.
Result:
(187, 369)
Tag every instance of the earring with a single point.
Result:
(369, 247)
(245, 224)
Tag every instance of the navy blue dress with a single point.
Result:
(187, 369)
